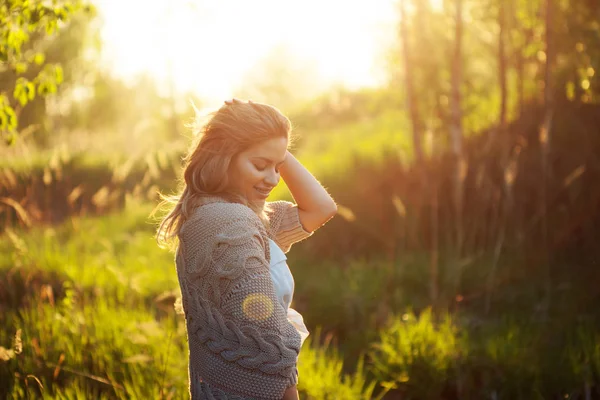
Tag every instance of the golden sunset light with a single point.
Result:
(208, 46)
(300, 199)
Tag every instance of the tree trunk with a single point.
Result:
(545, 141)
(502, 65)
(456, 135)
(504, 208)
(434, 260)
(411, 98)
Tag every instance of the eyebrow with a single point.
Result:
(267, 160)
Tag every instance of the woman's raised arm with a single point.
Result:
(315, 205)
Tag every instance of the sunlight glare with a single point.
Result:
(207, 46)
(437, 5)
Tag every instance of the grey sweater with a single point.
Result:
(241, 345)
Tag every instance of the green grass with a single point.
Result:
(91, 301)
(115, 253)
(87, 311)
(97, 347)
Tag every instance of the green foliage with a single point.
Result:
(8, 118)
(320, 369)
(508, 356)
(87, 311)
(83, 182)
(583, 353)
(93, 319)
(96, 346)
(22, 21)
(114, 255)
(365, 292)
(417, 355)
(330, 152)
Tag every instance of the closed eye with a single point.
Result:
(262, 167)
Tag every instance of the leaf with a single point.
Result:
(44, 88)
(58, 74)
(10, 138)
(90, 9)
(20, 68)
(19, 93)
(50, 27)
(39, 58)
(24, 91)
(11, 118)
(3, 119)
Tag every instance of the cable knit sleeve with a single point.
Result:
(284, 224)
(240, 339)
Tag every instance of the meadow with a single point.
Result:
(462, 262)
(88, 312)
(89, 303)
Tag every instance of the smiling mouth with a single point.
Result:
(263, 192)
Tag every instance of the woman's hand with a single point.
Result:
(291, 393)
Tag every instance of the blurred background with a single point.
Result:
(461, 139)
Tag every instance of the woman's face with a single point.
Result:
(254, 172)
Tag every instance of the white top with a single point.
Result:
(284, 287)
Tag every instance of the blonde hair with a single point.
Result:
(231, 129)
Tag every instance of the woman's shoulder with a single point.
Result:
(213, 218)
(225, 211)
(211, 224)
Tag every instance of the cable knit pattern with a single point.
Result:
(241, 344)
(285, 228)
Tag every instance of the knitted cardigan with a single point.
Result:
(241, 345)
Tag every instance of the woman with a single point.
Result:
(236, 288)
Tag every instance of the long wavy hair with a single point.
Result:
(222, 135)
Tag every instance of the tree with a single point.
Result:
(545, 140)
(24, 24)
(411, 97)
(456, 130)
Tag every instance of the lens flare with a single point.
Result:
(257, 306)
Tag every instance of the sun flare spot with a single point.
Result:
(257, 307)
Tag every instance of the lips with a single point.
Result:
(263, 191)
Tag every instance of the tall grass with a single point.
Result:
(417, 356)
(92, 305)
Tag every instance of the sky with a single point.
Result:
(208, 46)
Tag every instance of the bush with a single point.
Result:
(321, 377)
(416, 356)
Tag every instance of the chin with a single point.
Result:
(259, 202)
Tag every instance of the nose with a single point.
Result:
(272, 178)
